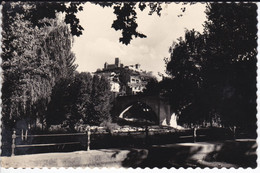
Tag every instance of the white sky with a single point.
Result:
(100, 43)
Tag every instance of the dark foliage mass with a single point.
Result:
(36, 11)
(213, 75)
(127, 26)
(78, 100)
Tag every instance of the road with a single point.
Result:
(240, 153)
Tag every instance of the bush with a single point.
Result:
(57, 129)
(109, 126)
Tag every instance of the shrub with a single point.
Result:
(109, 126)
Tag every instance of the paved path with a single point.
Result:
(92, 158)
(201, 154)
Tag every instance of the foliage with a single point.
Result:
(81, 99)
(60, 102)
(152, 87)
(186, 71)
(126, 21)
(36, 11)
(232, 60)
(233, 28)
(34, 59)
(109, 126)
(214, 74)
(100, 100)
(126, 16)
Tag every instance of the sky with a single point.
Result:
(100, 43)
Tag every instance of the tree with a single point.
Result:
(101, 98)
(152, 87)
(233, 28)
(34, 59)
(82, 99)
(185, 68)
(232, 34)
(214, 74)
(70, 101)
(61, 101)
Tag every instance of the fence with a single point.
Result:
(105, 139)
(24, 137)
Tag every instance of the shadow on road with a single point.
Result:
(161, 156)
(241, 153)
(226, 154)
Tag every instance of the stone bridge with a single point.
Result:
(160, 106)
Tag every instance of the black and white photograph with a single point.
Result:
(117, 84)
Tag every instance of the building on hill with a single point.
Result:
(118, 64)
(114, 82)
(135, 67)
(136, 84)
(125, 80)
(113, 66)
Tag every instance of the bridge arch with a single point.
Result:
(158, 105)
(139, 111)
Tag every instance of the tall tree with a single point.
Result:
(82, 99)
(232, 35)
(185, 67)
(100, 100)
(70, 100)
(216, 71)
(33, 60)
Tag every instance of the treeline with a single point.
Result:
(78, 100)
(40, 82)
(212, 75)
